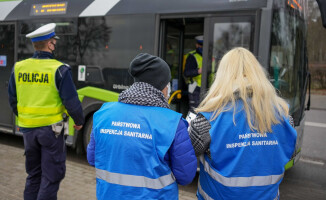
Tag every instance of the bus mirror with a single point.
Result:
(322, 7)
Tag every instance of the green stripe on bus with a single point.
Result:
(95, 93)
(289, 164)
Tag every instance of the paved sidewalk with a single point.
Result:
(78, 184)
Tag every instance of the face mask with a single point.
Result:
(200, 50)
(53, 51)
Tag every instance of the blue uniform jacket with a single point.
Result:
(66, 88)
(183, 164)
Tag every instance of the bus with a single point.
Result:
(99, 38)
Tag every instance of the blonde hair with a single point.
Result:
(240, 76)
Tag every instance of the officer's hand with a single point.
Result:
(78, 127)
(200, 70)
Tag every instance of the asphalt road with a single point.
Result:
(307, 179)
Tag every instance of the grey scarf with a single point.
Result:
(143, 94)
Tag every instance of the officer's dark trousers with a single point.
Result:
(45, 163)
(194, 98)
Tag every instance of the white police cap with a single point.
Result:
(43, 33)
(200, 39)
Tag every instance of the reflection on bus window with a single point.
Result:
(65, 49)
(172, 54)
(287, 60)
(227, 36)
(94, 38)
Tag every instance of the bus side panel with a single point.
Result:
(7, 44)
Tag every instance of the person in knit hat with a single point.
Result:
(140, 148)
(150, 69)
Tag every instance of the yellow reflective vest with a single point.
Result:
(38, 100)
(199, 60)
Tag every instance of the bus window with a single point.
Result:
(108, 44)
(287, 58)
(227, 35)
(65, 49)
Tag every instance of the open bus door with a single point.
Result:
(177, 39)
(221, 34)
(7, 60)
(172, 45)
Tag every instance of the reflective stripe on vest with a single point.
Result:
(135, 181)
(38, 100)
(40, 111)
(240, 181)
(41, 121)
(207, 197)
(203, 193)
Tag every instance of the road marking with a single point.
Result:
(315, 124)
(311, 161)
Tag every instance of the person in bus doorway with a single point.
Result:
(140, 148)
(40, 90)
(192, 72)
(243, 133)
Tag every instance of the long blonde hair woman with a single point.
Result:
(242, 133)
(239, 75)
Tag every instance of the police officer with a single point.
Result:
(40, 91)
(140, 148)
(192, 72)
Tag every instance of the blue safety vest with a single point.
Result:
(130, 144)
(244, 164)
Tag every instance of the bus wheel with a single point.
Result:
(87, 132)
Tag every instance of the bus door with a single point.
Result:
(7, 60)
(172, 52)
(177, 40)
(223, 34)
